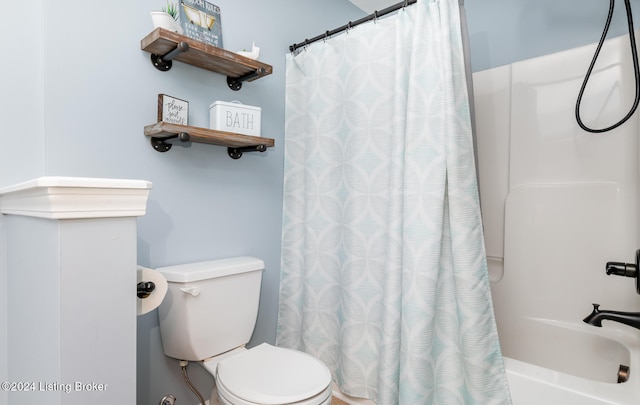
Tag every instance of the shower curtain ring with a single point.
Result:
(326, 36)
(406, 3)
(375, 16)
(348, 27)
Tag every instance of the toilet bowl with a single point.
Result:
(270, 375)
(208, 316)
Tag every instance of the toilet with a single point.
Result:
(208, 316)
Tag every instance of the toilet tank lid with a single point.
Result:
(190, 272)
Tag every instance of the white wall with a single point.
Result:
(70, 289)
(4, 309)
(31, 313)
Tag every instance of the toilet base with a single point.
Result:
(214, 399)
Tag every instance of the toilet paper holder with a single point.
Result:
(151, 290)
(145, 288)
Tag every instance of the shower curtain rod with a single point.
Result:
(352, 24)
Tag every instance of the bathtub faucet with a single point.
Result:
(596, 317)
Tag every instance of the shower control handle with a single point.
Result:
(622, 269)
(626, 270)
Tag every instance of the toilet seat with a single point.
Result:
(273, 375)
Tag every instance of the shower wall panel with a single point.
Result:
(558, 202)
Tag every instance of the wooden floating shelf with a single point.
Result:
(163, 134)
(162, 42)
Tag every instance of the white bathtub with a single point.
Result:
(572, 364)
(557, 363)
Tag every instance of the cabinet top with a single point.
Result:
(76, 197)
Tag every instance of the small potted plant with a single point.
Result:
(253, 54)
(167, 18)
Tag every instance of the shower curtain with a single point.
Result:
(384, 274)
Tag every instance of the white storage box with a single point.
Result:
(235, 117)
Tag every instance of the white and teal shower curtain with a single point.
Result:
(384, 273)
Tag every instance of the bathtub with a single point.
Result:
(572, 364)
(560, 363)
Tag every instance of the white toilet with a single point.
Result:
(208, 315)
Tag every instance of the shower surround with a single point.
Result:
(558, 203)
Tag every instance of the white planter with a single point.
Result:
(162, 19)
(254, 54)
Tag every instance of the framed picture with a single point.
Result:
(173, 110)
(200, 20)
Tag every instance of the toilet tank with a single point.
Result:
(210, 307)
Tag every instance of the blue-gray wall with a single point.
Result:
(505, 31)
(77, 92)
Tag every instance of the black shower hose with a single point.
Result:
(636, 69)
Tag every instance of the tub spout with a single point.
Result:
(596, 317)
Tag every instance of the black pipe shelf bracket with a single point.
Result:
(184, 139)
(165, 144)
(236, 153)
(235, 83)
(164, 62)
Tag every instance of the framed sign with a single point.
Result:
(173, 110)
(200, 20)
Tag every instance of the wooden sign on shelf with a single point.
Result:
(173, 110)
